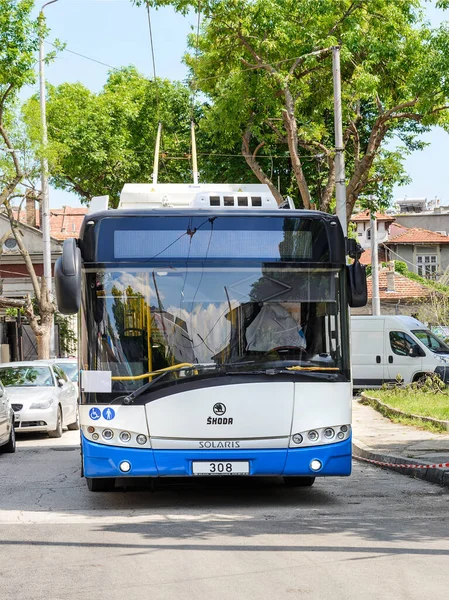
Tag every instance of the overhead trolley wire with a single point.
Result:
(99, 62)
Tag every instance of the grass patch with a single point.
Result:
(414, 402)
(418, 423)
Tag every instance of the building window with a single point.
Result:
(427, 265)
(10, 244)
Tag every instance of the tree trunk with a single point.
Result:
(362, 168)
(251, 161)
(292, 139)
(43, 343)
(42, 328)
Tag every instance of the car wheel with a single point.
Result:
(104, 484)
(299, 481)
(76, 424)
(10, 446)
(57, 433)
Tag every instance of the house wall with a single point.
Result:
(409, 253)
(431, 221)
(388, 308)
(404, 253)
(363, 228)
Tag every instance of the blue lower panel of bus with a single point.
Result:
(101, 460)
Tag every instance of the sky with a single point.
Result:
(116, 33)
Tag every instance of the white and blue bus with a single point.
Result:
(214, 335)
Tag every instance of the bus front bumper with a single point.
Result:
(101, 460)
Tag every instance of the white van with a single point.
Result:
(385, 347)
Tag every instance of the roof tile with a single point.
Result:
(416, 235)
(365, 216)
(405, 288)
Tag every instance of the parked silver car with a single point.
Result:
(7, 432)
(42, 397)
(69, 366)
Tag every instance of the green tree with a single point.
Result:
(99, 142)
(19, 167)
(266, 66)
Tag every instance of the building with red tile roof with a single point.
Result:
(65, 222)
(416, 235)
(394, 286)
(398, 294)
(363, 227)
(365, 215)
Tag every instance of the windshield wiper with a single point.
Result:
(129, 398)
(317, 372)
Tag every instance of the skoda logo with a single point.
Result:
(219, 409)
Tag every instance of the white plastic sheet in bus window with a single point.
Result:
(96, 381)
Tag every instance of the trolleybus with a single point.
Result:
(214, 335)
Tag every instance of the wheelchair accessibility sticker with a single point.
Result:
(94, 413)
(108, 414)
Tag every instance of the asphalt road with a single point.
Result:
(376, 534)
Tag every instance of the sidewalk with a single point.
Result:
(378, 439)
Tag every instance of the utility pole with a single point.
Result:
(44, 168)
(340, 179)
(374, 265)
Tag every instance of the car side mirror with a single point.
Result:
(61, 382)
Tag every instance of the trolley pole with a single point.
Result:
(374, 265)
(340, 180)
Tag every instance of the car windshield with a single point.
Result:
(434, 343)
(26, 376)
(71, 370)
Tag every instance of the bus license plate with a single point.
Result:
(220, 467)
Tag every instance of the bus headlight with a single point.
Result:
(313, 435)
(320, 436)
(141, 439)
(315, 464)
(108, 434)
(125, 436)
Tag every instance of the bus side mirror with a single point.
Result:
(68, 278)
(357, 288)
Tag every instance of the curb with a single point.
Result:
(387, 410)
(436, 475)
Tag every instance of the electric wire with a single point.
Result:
(402, 259)
(84, 56)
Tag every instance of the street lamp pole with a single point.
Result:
(44, 166)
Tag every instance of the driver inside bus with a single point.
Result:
(276, 326)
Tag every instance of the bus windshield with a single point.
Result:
(142, 320)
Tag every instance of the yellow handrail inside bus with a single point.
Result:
(152, 373)
(183, 365)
